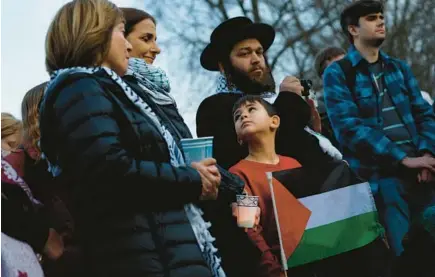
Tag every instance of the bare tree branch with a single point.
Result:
(255, 12)
(220, 6)
(242, 7)
(282, 10)
(301, 26)
(289, 43)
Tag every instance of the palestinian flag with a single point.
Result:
(343, 212)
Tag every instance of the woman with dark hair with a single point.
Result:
(141, 33)
(22, 215)
(134, 198)
(236, 250)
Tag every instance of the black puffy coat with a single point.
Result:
(21, 219)
(128, 200)
(236, 250)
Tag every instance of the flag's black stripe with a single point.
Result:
(303, 182)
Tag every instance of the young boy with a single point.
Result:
(256, 123)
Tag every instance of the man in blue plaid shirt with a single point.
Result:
(385, 128)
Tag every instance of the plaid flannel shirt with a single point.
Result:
(356, 118)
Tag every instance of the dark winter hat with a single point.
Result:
(230, 32)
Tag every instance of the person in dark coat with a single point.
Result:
(141, 33)
(134, 199)
(32, 167)
(232, 240)
(23, 217)
(34, 223)
(237, 50)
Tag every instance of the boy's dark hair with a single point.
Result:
(270, 109)
(325, 55)
(352, 13)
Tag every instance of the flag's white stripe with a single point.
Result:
(339, 204)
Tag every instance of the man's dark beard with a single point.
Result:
(246, 84)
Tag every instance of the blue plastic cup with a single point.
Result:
(197, 149)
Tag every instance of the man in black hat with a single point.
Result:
(384, 126)
(237, 49)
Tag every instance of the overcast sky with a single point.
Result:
(23, 28)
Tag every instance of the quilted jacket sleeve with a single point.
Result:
(88, 144)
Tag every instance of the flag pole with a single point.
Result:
(283, 256)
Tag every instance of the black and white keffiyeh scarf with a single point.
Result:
(10, 175)
(224, 86)
(154, 81)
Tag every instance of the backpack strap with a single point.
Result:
(349, 74)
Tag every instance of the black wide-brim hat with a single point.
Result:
(230, 32)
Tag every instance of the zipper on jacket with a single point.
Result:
(378, 93)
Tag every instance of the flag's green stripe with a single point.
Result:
(335, 238)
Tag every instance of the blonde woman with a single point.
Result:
(134, 199)
(12, 130)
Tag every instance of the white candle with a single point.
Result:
(246, 210)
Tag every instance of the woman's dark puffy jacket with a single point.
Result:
(127, 198)
(236, 250)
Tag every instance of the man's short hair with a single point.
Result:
(324, 56)
(249, 99)
(352, 13)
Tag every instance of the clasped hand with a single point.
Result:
(210, 178)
